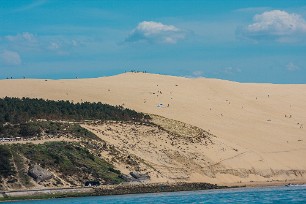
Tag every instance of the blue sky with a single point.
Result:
(240, 40)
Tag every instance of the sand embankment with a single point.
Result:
(264, 122)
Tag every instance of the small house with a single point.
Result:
(92, 183)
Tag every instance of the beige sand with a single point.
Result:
(264, 122)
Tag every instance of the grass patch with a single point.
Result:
(21, 170)
(41, 128)
(71, 160)
(6, 166)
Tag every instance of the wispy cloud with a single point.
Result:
(25, 42)
(275, 25)
(195, 74)
(25, 36)
(22, 41)
(292, 67)
(252, 9)
(10, 58)
(155, 32)
(33, 5)
(54, 45)
(230, 70)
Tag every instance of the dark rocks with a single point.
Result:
(127, 178)
(135, 177)
(39, 174)
(139, 177)
(155, 188)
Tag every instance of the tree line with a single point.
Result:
(16, 110)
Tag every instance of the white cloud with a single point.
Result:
(10, 58)
(74, 43)
(62, 46)
(54, 46)
(292, 67)
(195, 74)
(276, 25)
(231, 70)
(28, 42)
(155, 32)
(26, 37)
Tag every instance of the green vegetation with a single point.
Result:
(6, 167)
(40, 128)
(20, 130)
(15, 110)
(21, 170)
(79, 132)
(72, 162)
(70, 159)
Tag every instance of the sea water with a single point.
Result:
(292, 194)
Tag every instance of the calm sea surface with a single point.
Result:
(294, 194)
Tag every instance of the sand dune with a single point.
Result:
(264, 122)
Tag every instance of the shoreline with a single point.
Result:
(125, 189)
(121, 189)
(266, 183)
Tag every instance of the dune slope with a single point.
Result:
(263, 122)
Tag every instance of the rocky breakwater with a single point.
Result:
(153, 188)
